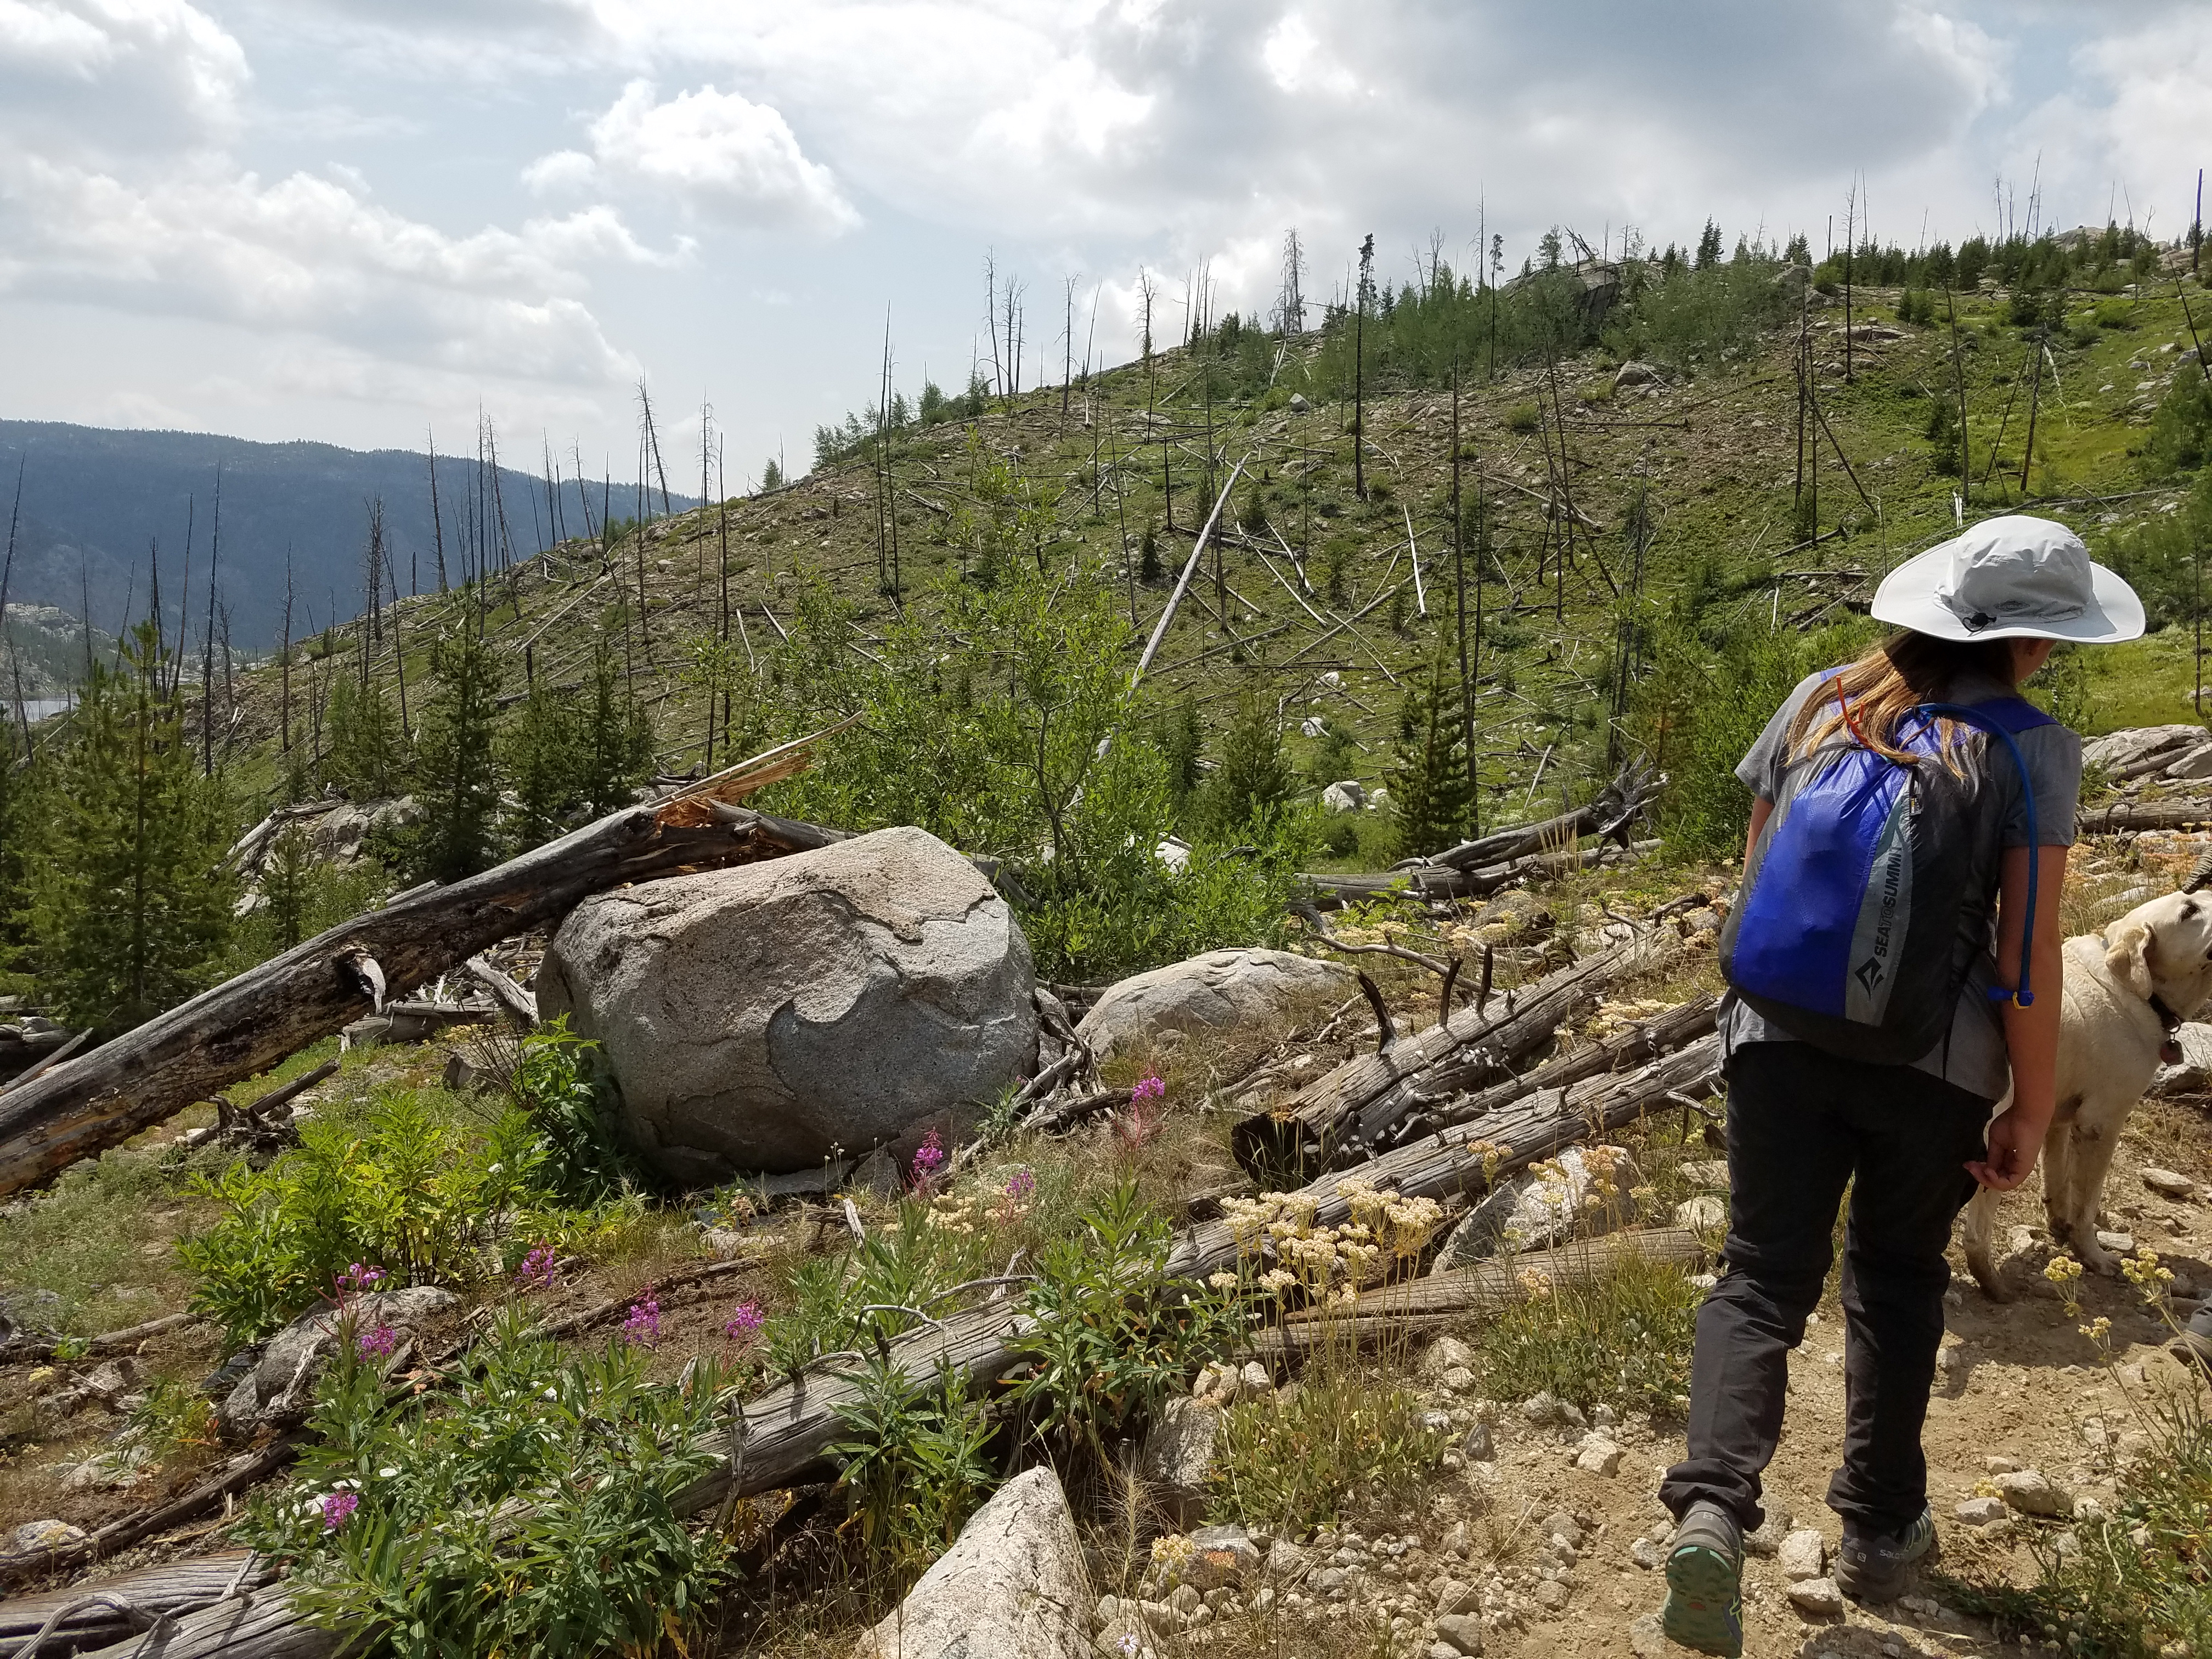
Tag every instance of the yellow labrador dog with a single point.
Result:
(2127, 988)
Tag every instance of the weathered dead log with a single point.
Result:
(1610, 814)
(2124, 814)
(250, 1023)
(262, 1624)
(1418, 1305)
(128, 1603)
(1439, 884)
(504, 992)
(1439, 1104)
(1341, 1115)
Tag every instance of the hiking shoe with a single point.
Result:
(1705, 1579)
(1873, 1566)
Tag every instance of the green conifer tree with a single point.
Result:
(455, 779)
(286, 886)
(130, 907)
(367, 751)
(1182, 741)
(1253, 775)
(542, 755)
(1428, 786)
(615, 748)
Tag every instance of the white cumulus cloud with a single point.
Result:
(718, 153)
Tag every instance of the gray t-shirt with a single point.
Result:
(1973, 1055)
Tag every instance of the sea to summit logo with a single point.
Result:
(1869, 974)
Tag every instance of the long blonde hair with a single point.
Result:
(1870, 698)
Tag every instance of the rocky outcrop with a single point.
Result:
(764, 1017)
(1219, 989)
(280, 1386)
(1012, 1586)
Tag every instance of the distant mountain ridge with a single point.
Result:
(93, 498)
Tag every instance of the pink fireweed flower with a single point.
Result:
(337, 1510)
(538, 1271)
(1021, 1186)
(745, 1322)
(358, 1278)
(643, 1325)
(928, 1160)
(1149, 1087)
(377, 1343)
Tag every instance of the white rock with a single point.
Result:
(1817, 1598)
(1981, 1511)
(281, 1385)
(1463, 1630)
(1703, 1213)
(1712, 1173)
(1595, 1454)
(1648, 1553)
(1528, 1212)
(2031, 1492)
(2169, 1183)
(43, 1535)
(756, 1018)
(2118, 1243)
(1803, 1554)
(1445, 1353)
(1012, 1586)
(1767, 1539)
(1348, 796)
(1178, 1456)
(1219, 990)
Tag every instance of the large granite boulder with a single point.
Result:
(1012, 1586)
(760, 1017)
(1220, 989)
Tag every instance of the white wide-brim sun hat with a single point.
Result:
(2009, 578)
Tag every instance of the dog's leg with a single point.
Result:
(2096, 1140)
(1978, 1233)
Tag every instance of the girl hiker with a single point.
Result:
(1894, 966)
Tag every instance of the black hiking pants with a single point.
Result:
(1802, 1124)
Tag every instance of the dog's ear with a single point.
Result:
(2128, 946)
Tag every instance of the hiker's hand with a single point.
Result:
(2016, 1139)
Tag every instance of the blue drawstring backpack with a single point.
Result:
(1868, 896)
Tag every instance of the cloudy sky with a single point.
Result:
(355, 220)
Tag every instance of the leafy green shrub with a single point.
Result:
(2181, 432)
(1523, 417)
(911, 1467)
(2115, 313)
(533, 1512)
(1623, 1339)
(1114, 1334)
(1292, 1462)
(403, 1188)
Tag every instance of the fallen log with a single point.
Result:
(504, 992)
(2124, 814)
(1437, 883)
(1417, 1306)
(1468, 1158)
(248, 1024)
(122, 1605)
(1610, 814)
(1341, 1115)
(258, 1625)
(1645, 1041)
